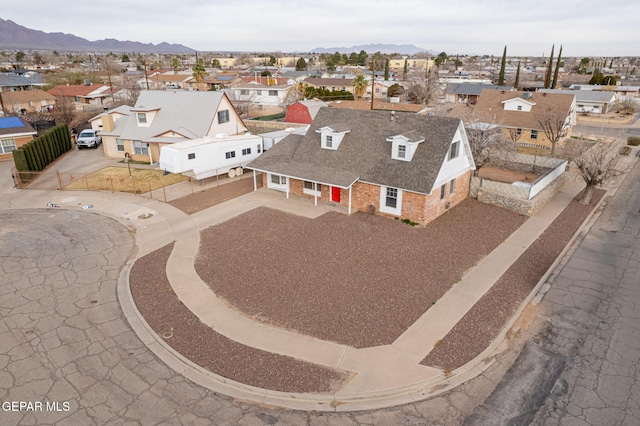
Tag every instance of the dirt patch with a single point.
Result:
(360, 280)
(184, 332)
(118, 179)
(499, 174)
(202, 200)
(485, 320)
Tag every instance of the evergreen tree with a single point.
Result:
(555, 74)
(502, 66)
(547, 77)
(404, 72)
(386, 70)
(517, 82)
(301, 65)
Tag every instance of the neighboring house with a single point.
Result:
(267, 91)
(381, 89)
(14, 132)
(468, 93)
(520, 113)
(589, 101)
(303, 111)
(115, 113)
(167, 81)
(379, 106)
(333, 84)
(626, 92)
(403, 165)
(26, 101)
(84, 96)
(164, 117)
(14, 82)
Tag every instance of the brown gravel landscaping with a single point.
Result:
(485, 320)
(201, 200)
(184, 332)
(360, 280)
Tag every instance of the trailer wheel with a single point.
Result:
(239, 171)
(232, 173)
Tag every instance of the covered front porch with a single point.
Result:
(332, 193)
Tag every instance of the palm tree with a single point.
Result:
(175, 64)
(199, 73)
(359, 85)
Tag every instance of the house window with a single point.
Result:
(244, 91)
(451, 186)
(278, 180)
(31, 104)
(142, 118)
(140, 148)
(230, 154)
(259, 92)
(120, 145)
(329, 141)
(443, 190)
(258, 148)
(311, 188)
(223, 116)
(7, 145)
(273, 93)
(391, 200)
(453, 153)
(519, 107)
(534, 134)
(191, 156)
(246, 151)
(519, 132)
(402, 151)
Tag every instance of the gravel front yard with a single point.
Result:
(360, 280)
(184, 332)
(485, 320)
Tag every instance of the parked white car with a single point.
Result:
(89, 139)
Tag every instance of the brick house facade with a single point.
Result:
(411, 167)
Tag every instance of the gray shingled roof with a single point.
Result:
(178, 111)
(364, 153)
(584, 95)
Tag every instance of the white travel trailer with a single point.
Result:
(211, 156)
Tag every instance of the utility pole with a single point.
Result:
(373, 80)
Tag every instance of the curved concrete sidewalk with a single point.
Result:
(385, 376)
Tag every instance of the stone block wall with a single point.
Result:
(522, 206)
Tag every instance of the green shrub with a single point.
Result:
(633, 141)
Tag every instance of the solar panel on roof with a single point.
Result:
(10, 122)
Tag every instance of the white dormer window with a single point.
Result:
(519, 107)
(402, 151)
(404, 146)
(331, 138)
(142, 118)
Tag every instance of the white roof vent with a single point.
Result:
(290, 129)
(221, 136)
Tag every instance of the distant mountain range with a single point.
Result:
(403, 49)
(14, 36)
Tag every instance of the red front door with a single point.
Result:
(335, 194)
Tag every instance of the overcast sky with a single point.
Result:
(527, 27)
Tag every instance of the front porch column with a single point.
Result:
(350, 199)
(255, 184)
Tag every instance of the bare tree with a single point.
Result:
(64, 111)
(596, 163)
(554, 123)
(423, 89)
(514, 134)
(487, 141)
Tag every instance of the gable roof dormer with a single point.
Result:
(331, 136)
(404, 145)
(518, 104)
(145, 114)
